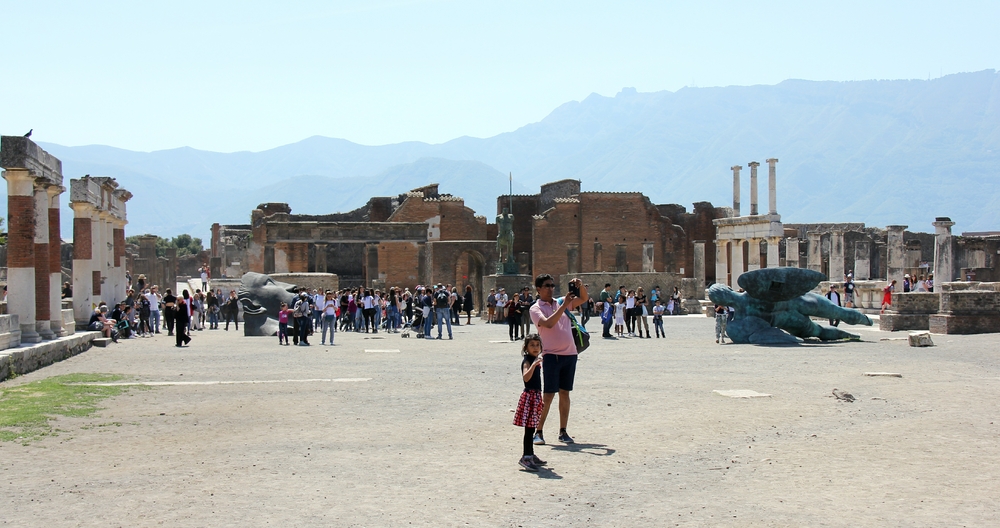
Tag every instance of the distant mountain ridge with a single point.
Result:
(879, 152)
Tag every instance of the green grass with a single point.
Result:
(26, 410)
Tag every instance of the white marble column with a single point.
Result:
(944, 263)
(772, 193)
(895, 254)
(814, 252)
(736, 189)
(836, 255)
(773, 247)
(84, 238)
(753, 187)
(721, 262)
(737, 262)
(792, 252)
(753, 254)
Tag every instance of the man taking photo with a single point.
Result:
(558, 348)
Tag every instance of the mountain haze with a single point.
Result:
(879, 152)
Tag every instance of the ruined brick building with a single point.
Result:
(425, 236)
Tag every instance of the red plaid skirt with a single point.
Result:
(529, 409)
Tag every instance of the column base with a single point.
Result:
(44, 330)
(28, 333)
(57, 329)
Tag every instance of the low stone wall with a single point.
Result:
(68, 321)
(966, 311)
(10, 332)
(867, 294)
(910, 311)
(319, 281)
(17, 361)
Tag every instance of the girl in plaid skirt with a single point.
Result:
(529, 407)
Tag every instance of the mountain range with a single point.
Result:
(880, 152)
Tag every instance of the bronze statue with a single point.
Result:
(779, 299)
(505, 236)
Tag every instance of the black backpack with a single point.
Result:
(442, 299)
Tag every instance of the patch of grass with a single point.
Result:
(26, 410)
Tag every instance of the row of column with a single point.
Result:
(727, 259)
(98, 244)
(34, 267)
(771, 182)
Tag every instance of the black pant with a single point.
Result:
(181, 334)
(369, 315)
(514, 327)
(168, 319)
(232, 315)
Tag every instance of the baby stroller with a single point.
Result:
(417, 323)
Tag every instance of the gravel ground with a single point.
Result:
(380, 430)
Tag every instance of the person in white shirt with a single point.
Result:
(154, 308)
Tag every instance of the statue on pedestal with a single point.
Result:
(506, 265)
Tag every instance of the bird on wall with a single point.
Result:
(28, 135)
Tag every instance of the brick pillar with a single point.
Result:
(118, 266)
(753, 255)
(895, 254)
(721, 261)
(21, 251)
(753, 187)
(84, 215)
(42, 306)
(55, 263)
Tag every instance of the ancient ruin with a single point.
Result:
(98, 244)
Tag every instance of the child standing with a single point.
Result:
(721, 319)
(620, 317)
(283, 315)
(658, 319)
(529, 407)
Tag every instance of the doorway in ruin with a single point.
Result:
(470, 268)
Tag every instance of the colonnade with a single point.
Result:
(98, 243)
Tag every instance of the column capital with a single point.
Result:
(771, 161)
(736, 168)
(753, 164)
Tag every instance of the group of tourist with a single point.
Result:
(629, 310)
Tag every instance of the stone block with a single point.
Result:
(68, 321)
(916, 302)
(892, 322)
(964, 324)
(920, 339)
(18, 152)
(970, 302)
(101, 342)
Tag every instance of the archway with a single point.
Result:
(470, 267)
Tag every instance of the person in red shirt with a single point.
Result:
(558, 348)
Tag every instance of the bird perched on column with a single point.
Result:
(842, 395)
(29, 133)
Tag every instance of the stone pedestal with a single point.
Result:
(895, 254)
(836, 255)
(792, 252)
(814, 252)
(773, 252)
(512, 284)
(944, 263)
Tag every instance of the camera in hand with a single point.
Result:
(574, 289)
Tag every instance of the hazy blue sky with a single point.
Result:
(246, 75)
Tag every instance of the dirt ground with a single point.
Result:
(380, 430)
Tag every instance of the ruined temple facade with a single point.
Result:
(424, 236)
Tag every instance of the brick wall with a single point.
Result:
(21, 232)
(118, 235)
(400, 263)
(83, 246)
(41, 282)
(550, 234)
(55, 242)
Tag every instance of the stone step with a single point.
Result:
(101, 342)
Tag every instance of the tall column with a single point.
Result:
(773, 247)
(895, 254)
(699, 263)
(55, 263)
(772, 193)
(814, 253)
(944, 263)
(753, 254)
(836, 255)
(792, 252)
(84, 216)
(736, 189)
(753, 187)
(721, 259)
(118, 249)
(737, 261)
(21, 251)
(42, 302)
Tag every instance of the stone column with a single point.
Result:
(42, 302)
(104, 259)
(647, 257)
(737, 261)
(721, 258)
(792, 252)
(84, 215)
(773, 250)
(736, 189)
(21, 251)
(753, 254)
(55, 263)
(944, 263)
(862, 260)
(814, 252)
(118, 236)
(320, 258)
(836, 255)
(895, 254)
(699, 263)
(772, 193)
(753, 187)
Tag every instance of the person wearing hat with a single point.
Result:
(834, 296)
(907, 285)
